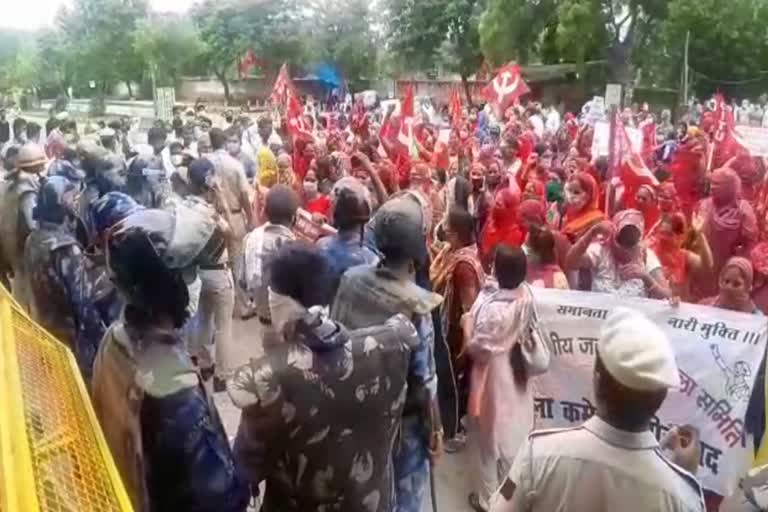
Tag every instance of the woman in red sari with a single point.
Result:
(503, 225)
(581, 196)
(669, 204)
(678, 264)
(533, 215)
(729, 223)
(646, 200)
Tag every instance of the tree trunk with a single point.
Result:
(130, 89)
(467, 92)
(224, 83)
(620, 66)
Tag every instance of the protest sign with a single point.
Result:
(612, 95)
(307, 229)
(718, 354)
(754, 138)
(602, 136)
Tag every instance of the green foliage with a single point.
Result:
(510, 29)
(422, 33)
(341, 31)
(167, 45)
(19, 60)
(578, 36)
(98, 34)
(728, 43)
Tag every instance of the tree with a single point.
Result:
(98, 35)
(460, 51)
(225, 30)
(510, 29)
(341, 30)
(166, 44)
(58, 59)
(626, 25)
(19, 60)
(426, 32)
(728, 42)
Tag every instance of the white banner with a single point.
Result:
(754, 138)
(718, 355)
(602, 136)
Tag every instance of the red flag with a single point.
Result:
(508, 86)
(407, 118)
(648, 129)
(297, 125)
(725, 143)
(454, 108)
(359, 121)
(440, 157)
(247, 63)
(632, 170)
(283, 87)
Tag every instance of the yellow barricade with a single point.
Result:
(53, 456)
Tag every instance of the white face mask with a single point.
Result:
(310, 187)
(575, 200)
(284, 310)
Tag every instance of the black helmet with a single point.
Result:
(398, 231)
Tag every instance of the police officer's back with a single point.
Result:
(612, 462)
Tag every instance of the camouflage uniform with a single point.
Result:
(367, 295)
(63, 293)
(17, 203)
(161, 425)
(320, 415)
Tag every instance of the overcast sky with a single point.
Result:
(34, 14)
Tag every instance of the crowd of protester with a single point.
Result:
(399, 324)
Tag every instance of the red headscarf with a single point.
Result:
(725, 213)
(736, 302)
(503, 226)
(535, 189)
(650, 211)
(577, 222)
(669, 202)
(533, 211)
(668, 246)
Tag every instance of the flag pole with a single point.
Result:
(685, 68)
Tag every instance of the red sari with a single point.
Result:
(503, 226)
(673, 258)
(577, 222)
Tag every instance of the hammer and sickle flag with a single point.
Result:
(506, 87)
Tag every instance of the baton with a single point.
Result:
(432, 489)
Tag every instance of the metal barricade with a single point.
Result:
(53, 456)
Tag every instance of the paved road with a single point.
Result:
(452, 475)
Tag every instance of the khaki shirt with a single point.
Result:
(597, 468)
(234, 183)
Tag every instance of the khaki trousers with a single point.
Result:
(212, 340)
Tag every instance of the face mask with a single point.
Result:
(575, 200)
(176, 160)
(493, 180)
(310, 187)
(284, 310)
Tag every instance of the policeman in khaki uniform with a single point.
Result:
(612, 462)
